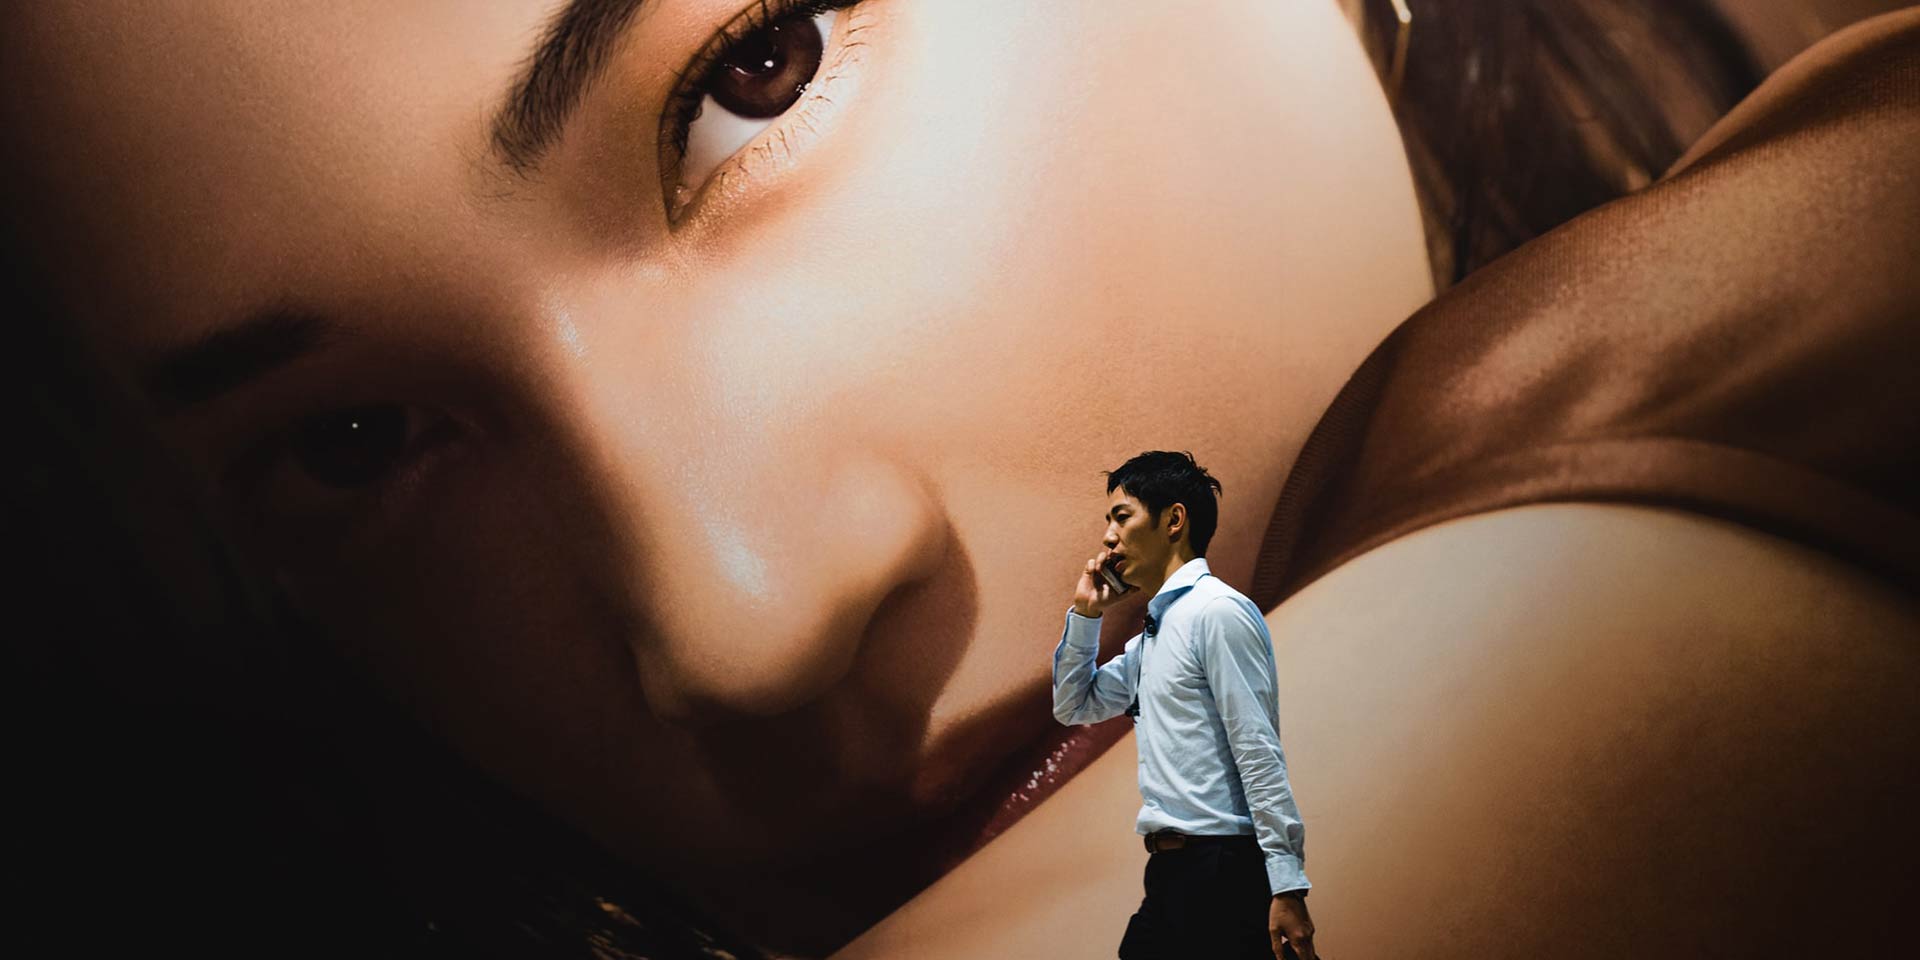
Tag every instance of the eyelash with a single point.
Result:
(360, 512)
(271, 486)
(691, 84)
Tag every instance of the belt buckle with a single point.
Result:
(1165, 840)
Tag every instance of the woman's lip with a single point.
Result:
(853, 886)
(1031, 775)
(869, 874)
(1055, 759)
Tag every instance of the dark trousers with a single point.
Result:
(1204, 901)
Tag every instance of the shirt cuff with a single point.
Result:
(1082, 631)
(1285, 872)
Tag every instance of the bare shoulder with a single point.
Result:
(1567, 731)
(1579, 569)
(1562, 730)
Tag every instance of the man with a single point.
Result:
(1226, 875)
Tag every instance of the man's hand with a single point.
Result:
(1289, 925)
(1092, 596)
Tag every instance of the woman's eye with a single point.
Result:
(353, 448)
(762, 75)
(753, 79)
(342, 473)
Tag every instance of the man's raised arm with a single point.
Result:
(1082, 692)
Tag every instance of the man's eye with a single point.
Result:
(753, 75)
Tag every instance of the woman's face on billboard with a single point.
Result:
(700, 426)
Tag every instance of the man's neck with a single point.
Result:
(1180, 558)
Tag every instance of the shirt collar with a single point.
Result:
(1182, 580)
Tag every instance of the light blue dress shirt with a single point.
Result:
(1208, 728)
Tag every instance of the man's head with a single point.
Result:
(1162, 508)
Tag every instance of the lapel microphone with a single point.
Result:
(1133, 709)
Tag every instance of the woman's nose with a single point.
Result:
(757, 529)
(760, 570)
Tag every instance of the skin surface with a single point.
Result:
(722, 540)
(1567, 731)
(733, 535)
(1556, 731)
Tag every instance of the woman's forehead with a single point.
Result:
(197, 147)
(219, 75)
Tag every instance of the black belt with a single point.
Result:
(1160, 840)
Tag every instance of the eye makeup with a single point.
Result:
(755, 95)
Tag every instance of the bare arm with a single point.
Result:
(1604, 731)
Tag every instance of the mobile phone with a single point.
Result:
(1114, 582)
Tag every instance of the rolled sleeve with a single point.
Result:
(1237, 655)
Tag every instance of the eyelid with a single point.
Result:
(683, 99)
(356, 514)
(789, 133)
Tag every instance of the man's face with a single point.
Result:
(1137, 538)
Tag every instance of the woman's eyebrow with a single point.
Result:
(227, 359)
(572, 51)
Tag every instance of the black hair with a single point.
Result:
(1161, 478)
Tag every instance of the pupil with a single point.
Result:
(352, 448)
(759, 53)
(765, 73)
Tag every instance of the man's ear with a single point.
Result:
(1176, 521)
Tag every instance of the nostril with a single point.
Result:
(760, 625)
(775, 663)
